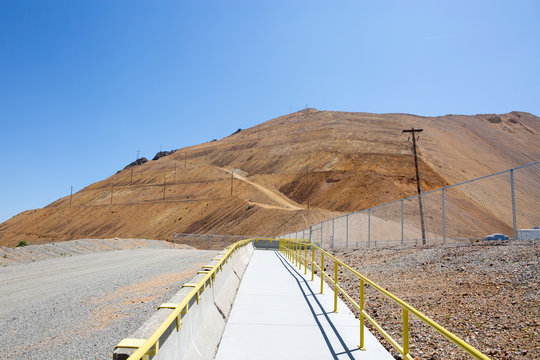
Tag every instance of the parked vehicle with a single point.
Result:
(497, 237)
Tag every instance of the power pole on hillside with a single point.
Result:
(174, 179)
(413, 132)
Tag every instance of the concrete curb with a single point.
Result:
(203, 325)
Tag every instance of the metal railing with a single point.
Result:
(293, 250)
(150, 346)
(502, 202)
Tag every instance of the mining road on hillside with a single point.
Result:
(281, 199)
(80, 307)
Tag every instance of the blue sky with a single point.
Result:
(85, 84)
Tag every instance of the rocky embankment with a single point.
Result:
(487, 295)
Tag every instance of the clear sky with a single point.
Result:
(86, 84)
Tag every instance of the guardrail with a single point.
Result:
(293, 250)
(150, 346)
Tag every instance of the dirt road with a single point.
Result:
(282, 200)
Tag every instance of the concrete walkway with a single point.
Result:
(280, 314)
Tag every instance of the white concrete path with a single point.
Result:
(280, 314)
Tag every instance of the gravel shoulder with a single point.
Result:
(80, 306)
(486, 294)
(33, 253)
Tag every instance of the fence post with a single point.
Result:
(310, 233)
(369, 229)
(333, 235)
(347, 233)
(443, 217)
(321, 236)
(402, 242)
(514, 220)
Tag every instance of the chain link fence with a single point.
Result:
(504, 202)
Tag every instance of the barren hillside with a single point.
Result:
(334, 161)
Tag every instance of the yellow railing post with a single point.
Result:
(312, 262)
(289, 250)
(296, 253)
(305, 259)
(405, 333)
(300, 257)
(335, 284)
(361, 315)
(322, 270)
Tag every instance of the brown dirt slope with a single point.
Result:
(355, 160)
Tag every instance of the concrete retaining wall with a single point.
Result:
(202, 327)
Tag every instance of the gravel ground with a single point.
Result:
(486, 294)
(32, 253)
(79, 307)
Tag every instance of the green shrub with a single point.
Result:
(22, 243)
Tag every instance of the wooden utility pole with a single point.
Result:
(413, 132)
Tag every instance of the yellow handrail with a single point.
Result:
(293, 249)
(175, 316)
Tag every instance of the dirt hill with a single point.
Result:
(336, 162)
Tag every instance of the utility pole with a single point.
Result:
(307, 185)
(413, 132)
(70, 195)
